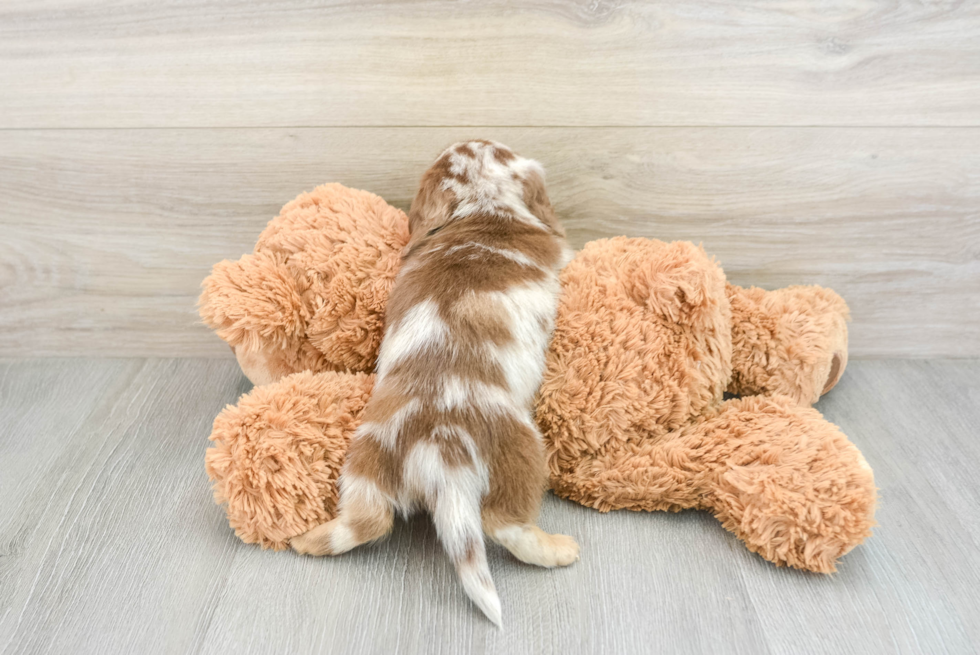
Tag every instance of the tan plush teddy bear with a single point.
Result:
(649, 337)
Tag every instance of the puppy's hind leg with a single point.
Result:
(510, 510)
(364, 515)
(529, 543)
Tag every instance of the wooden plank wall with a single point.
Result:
(813, 143)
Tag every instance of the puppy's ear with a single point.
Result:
(537, 201)
(433, 204)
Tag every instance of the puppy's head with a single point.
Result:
(480, 177)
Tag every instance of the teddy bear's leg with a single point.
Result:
(788, 482)
(277, 454)
(782, 478)
(790, 341)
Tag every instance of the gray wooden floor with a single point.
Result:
(110, 542)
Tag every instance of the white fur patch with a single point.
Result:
(358, 490)
(342, 538)
(516, 538)
(489, 185)
(530, 544)
(513, 255)
(567, 255)
(419, 329)
(454, 495)
(427, 479)
(457, 513)
(386, 433)
(531, 311)
(458, 393)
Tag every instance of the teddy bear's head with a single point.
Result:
(312, 294)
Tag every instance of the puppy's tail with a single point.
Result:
(457, 520)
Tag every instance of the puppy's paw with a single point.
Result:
(315, 542)
(565, 549)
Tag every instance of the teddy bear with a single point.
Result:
(666, 387)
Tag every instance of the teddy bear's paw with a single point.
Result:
(837, 365)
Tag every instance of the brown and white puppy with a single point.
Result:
(448, 427)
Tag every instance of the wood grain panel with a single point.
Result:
(133, 63)
(107, 234)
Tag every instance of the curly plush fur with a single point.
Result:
(312, 295)
(632, 406)
(649, 336)
(277, 454)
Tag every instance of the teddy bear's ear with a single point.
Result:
(678, 280)
(255, 302)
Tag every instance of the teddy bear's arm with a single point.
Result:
(790, 341)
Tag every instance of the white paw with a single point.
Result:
(310, 543)
(565, 549)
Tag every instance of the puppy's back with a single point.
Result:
(448, 427)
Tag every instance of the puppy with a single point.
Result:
(448, 427)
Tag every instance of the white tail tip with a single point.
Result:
(479, 587)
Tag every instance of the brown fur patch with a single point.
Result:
(369, 522)
(368, 459)
(518, 478)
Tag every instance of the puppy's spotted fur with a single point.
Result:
(449, 428)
